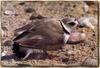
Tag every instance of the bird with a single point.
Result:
(44, 34)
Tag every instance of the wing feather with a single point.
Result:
(31, 42)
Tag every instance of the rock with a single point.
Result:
(70, 52)
(90, 62)
(9, 12)
(39, 56)
(4, 28)
(93, 20)
(93, 48)
(29, 10)
(85, 7)
(93, 34)
(21, 3)
(65, 60)
(87, 22)
(3, 53)
(7, 42)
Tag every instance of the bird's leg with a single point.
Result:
(28, 52)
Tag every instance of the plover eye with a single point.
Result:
(71, 23)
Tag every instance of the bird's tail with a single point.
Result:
(16, 50)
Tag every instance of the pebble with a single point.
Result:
(93, 49)
(70, 52)
(4, 28)
(94, 34)
(7, 42)
(21, 3)
(87, 22)
(85, 7)
(29, 10)
(4, 53)
(38, 55)
(13, 61)
(93, 20)
(90, 62)
(9, 12)
(2, 32)
(65, 60)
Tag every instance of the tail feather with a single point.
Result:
(16, 50)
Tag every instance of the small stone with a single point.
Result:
(86, 7)
(33, 17)
(9, 12)
(62, 56)
(16, 14)
(38, 55)
(7, 42)
(94, 34)
(65, 60)
(90, 62)
(2, 32)
(4, 53)
(87, 22)
(92, 49)
(74, 5)
(21, 3)
(13, 61)
(4, 28)
(63, 50)
(93, 20)
(29, 10)
(70, 52)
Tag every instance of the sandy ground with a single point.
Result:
(71, 54)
